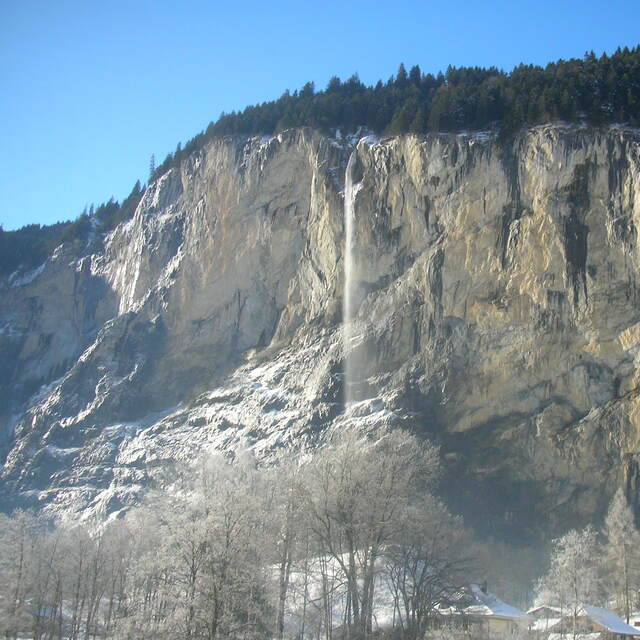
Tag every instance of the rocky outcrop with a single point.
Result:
(496, 294)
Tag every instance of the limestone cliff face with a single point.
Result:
(497, 296)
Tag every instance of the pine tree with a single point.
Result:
(622, 552)
(308, 90)
(419, 123)
(152, 166)
(402, 78)
(403, 117)
(439, 113)
(334, 84)
(415, 76)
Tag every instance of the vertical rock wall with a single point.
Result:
(497, 313)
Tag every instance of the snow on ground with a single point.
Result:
(9, 331)
(324, 575)
(10, 425)
(477, 136)
(365, 416)
(266, 405)
(370, 140)
(20, 280)
(544, 624)
(578, 636)
(351, 140)
(621, 126)
(58, 452)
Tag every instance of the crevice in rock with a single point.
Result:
(575, 231)
(512, 211)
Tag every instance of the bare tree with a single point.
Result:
(283, 504)
(117, 547)
(358, 493)
(139, 604)
(206, 576)
(427, 565)
(19, 537)
(236, 595)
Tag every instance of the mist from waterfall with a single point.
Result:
(348, 299)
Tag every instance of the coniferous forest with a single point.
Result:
(30, 245)
(599, 90)
(595, 90)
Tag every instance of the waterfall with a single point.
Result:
(348, 307)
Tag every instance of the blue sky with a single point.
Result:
(91, 89)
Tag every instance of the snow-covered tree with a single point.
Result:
(426, 564)
(359, 493)
(232, 548)
(236, 580)
(574, 577)
(285, 513)
(205, 574)
(19, 536)
(140, 603)
(622, 553)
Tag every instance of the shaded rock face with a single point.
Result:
(497, 312)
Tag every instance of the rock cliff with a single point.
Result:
(496, 289)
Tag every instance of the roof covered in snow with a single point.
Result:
(609, 620)
(544, 610)
(477, 602)
(496, 607)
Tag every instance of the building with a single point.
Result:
(634, 621)
(477, 613)
(590, 623)
(545, 618)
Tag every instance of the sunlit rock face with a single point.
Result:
(495, 303)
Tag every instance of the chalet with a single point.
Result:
(590, 623)
(545, 611)
(545, 618)
(477, 613)
(634, 621)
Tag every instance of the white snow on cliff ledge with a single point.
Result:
(20, 280)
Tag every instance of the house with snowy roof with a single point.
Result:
(634, 621)
(545, 618)
(590, 623)
(477, 613)
(545, 611)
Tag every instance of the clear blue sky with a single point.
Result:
(91, 89)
